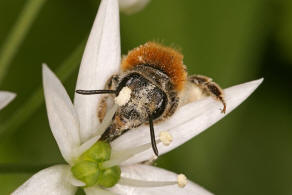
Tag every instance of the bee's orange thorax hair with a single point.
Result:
(164, 58)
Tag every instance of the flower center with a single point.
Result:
(89, 167)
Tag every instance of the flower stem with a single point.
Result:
(21, 115)
(18, 33)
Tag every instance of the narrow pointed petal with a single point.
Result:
(49, 181)
(101, 59)
(150, 173)
(62, 117)
(187, 122)
(132, 6)
(5, 98)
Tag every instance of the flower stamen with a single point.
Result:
(143, 183)
(182, 180)
(118, 157)
(165, 137)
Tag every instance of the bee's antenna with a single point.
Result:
(92, 92)
(152, 134)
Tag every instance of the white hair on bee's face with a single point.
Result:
(124, 96)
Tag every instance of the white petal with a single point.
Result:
(74, 181)
(132, 6)
(86, 145)
(187, 122)
(5, 98)
(97, 191)
(150, 173)
(101, 59)
(62, 117)
(49, 181)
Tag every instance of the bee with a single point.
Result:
(159, 85)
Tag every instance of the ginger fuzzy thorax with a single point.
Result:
(161, 57)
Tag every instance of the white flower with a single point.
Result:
(76, 127)
(5, 98)
(132, 6)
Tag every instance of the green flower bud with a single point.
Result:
(109, 177)
(99, 152)
(89, 167)
(86, 171)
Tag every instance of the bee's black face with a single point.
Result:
(152, 98)
(146, 100)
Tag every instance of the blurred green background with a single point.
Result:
(232, 41)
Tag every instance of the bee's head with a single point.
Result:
(147, 100)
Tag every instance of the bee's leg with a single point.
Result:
(112, 82)
(209, 87)
(102, 108)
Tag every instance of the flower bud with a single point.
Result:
(87, 172)
(109, 177)
(99, 152)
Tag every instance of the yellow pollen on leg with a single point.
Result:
(124, 96)
(165, 137)
(182, 180)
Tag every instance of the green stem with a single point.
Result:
(36, 100)
(17, 34)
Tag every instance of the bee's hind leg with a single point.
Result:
(209, 87)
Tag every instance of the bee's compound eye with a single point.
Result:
(126, 81)
(160, 108)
